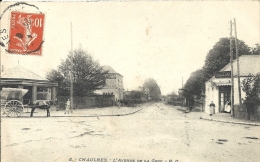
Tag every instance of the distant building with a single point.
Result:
(38, 87)
(114, 84)
(218, 88)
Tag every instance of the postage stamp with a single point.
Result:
(26, 33)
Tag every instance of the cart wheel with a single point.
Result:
(13, 108)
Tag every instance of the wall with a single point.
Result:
(86, 102)
(236, 96)
(211, 94)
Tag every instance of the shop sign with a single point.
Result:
(223, 74)
(225, 82)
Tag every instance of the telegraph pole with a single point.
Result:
(232, 78)
(182, 82)
(238, 72)
(71, 74)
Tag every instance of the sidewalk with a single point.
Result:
(88, 112)
(218, 117)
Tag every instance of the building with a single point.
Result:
(218, 88)
(38, 87)
(114, 84)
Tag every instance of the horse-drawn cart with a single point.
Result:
(11, 99)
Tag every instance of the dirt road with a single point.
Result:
(158, 132)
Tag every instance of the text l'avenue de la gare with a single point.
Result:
(123, 160)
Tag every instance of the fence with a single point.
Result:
(242, 113)
(86, 102)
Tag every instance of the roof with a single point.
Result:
(19, 72)
(247, 64)
(109, 69)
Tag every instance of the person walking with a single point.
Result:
(212, 108)
(67, 110)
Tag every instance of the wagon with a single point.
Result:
(11, 99)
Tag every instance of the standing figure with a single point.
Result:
(228, 108)
(67, 110)
(212, 108)
(119, 103)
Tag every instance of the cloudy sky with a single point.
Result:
(162, 40)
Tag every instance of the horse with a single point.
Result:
(40, 105)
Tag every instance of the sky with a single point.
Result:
(164, 40)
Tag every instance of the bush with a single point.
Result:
(251, 86)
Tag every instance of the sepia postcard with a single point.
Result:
(130, 81)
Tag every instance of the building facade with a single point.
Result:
(38, 87)
(114, 84)
(218, 88)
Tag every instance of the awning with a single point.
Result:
(222, 84)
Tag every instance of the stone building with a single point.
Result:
(114, 84)
(38, 87)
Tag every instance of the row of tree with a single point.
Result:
(87, 76)
(149, 91)
(216, 59)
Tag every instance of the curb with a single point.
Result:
(101, 115)
(77, 116)
(223, 121)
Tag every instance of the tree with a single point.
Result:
(251, 86)
(154, 90)
(87, 75)
(255, 50)
(136, 94)
(219, 55)
(216, 59)
(56, 76)
(195, 83)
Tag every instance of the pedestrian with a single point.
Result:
(67, 110)
(212, 108)
(119, 103)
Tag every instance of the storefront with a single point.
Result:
(218, 88)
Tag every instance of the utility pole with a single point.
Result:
(238, 72)
(71, 75)
(232, 78)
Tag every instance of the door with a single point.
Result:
(224, 97)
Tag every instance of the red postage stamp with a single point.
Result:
(26, 33)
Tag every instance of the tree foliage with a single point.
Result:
(216, 59)
(86, 73)
(154, 89)
(195, 83)
(251, 86)
(56, 76)
(136, 94)
(219, 55)
(256, 50)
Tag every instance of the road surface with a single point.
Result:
(158, 133)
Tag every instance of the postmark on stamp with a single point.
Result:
(26, 33)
